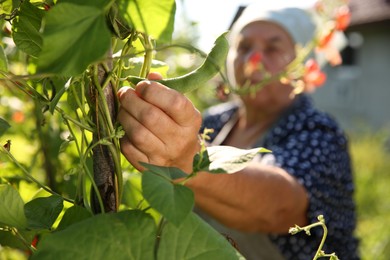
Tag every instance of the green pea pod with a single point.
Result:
(193, 80)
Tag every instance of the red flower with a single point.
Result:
(255, 59)
(253, 64)
(324, 41)
(313, 76)
(343, 18)
(18, 117)
(319, 7)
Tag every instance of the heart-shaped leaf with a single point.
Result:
(26, 29)
(74, 36)
(173, 201)
(127, 235)
(194, 239)
(42, 212)
(153, 17)
(11, 207)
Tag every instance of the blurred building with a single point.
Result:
(357, 93)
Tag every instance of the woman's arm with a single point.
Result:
(258, 198)
(162, 127)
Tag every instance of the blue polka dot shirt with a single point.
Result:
(309, 145)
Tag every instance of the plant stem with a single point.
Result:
(148, 56)
(13, 159)
(22, 239)
(321, 222)
(160, 228)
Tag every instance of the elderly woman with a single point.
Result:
(308, 173)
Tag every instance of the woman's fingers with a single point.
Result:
(154, 76)
(132, 154)
(173, 103)
(146, 114)
(161, 125)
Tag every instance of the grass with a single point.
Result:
(371, 162)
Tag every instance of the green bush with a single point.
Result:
(371, 162)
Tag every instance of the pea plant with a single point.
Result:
(61, 65)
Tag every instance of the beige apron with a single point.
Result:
(253, 246)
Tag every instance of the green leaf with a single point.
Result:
(11, 207)
(228, 159)
(73, 215)
(3, 60)
(172, 173)
(74, 37)
(173, 201)
(201, 161)
(194, 239)
(124, 235)
(132, 194)
(3, 126)
(42, 212)
(101, 4)
(26, 28)
(56, 99)
(5, 7)
(153, 17)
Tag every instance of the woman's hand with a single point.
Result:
(161, 125)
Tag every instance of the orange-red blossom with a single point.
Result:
(313, 76)
(254, 63)
(342, 19)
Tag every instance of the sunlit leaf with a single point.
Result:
(74, 37)
(194, 239)
(173, 201)
(42, 212)
(132, 193)
(11, 207)
(3, 60)
(3, 126)
(126, 235)
(26, 29)
(153, 17)
(134, 65)
(5, 6)
(228, 159)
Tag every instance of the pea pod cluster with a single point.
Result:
(196, 78)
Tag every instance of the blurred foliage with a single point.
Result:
(371, 160)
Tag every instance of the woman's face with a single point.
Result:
(276, 49)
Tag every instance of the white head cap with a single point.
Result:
(297, 22)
